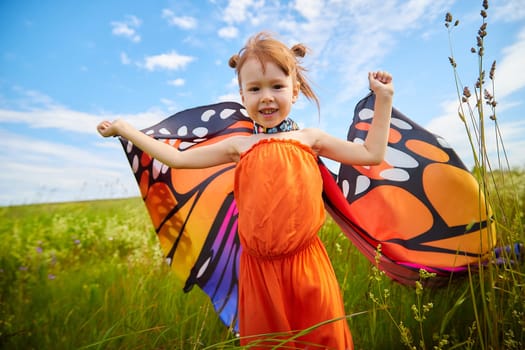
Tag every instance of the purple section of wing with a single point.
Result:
(217, 269)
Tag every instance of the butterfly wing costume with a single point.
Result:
(420, 204)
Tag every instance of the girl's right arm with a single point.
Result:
(201, 157)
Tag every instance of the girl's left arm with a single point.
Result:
(372, 151)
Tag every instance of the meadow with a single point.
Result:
(90, 275)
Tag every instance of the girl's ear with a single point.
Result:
(242, 95)
(296, 91)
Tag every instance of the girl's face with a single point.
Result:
(267, 96)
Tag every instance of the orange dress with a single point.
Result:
(286, 280)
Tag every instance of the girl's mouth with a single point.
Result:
(268, 111)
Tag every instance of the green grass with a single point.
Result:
(90, 275)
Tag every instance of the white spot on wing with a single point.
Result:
(156, 167)
(226, 113)
(183, 131)
(164, 131)
(401, 124)
(443, 142)
(395, 174)
(135, 164)
(365, 114)
(200, 131)
(345, 188)
(362, 183)
(184, 145)
(203, 268)
(207, 115)
(398, 158)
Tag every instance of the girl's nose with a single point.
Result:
(266, 96)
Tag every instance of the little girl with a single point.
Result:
(286, 280)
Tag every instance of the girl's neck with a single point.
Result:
(286, 125)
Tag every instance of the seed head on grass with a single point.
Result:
(492, 70)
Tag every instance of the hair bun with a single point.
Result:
(299, 50)
(234, 60)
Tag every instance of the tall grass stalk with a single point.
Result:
(495, 283)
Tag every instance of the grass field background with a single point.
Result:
(90, 275)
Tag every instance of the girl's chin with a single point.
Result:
(269, 121)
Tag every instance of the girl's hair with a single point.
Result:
(267, 49)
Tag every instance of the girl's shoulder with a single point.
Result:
(312, 137)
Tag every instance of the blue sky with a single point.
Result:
(66, 65)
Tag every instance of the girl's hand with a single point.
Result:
(381, 83)
(108, 129)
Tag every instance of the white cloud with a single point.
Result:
(254, 12)
(230, 97)
(310, 9)
(451, 128)
(42, 171)
(127, 28)
(177, 82)
(183, 22)
(229, 32)
(37, 111)
(510, 75)
(348, 37)
(238, 11)
(124, 59)
(509, 80)
(509, 10)
(37, 170)
(171, 105)
(169, 61)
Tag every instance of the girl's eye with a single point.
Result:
(253, 89)
(278, 86)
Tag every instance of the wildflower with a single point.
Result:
(492, 70)
(448, 19)
(51, 276)
(488, 96)
(482, 32)
(466, 92)
(452, 61)
(39, 250)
